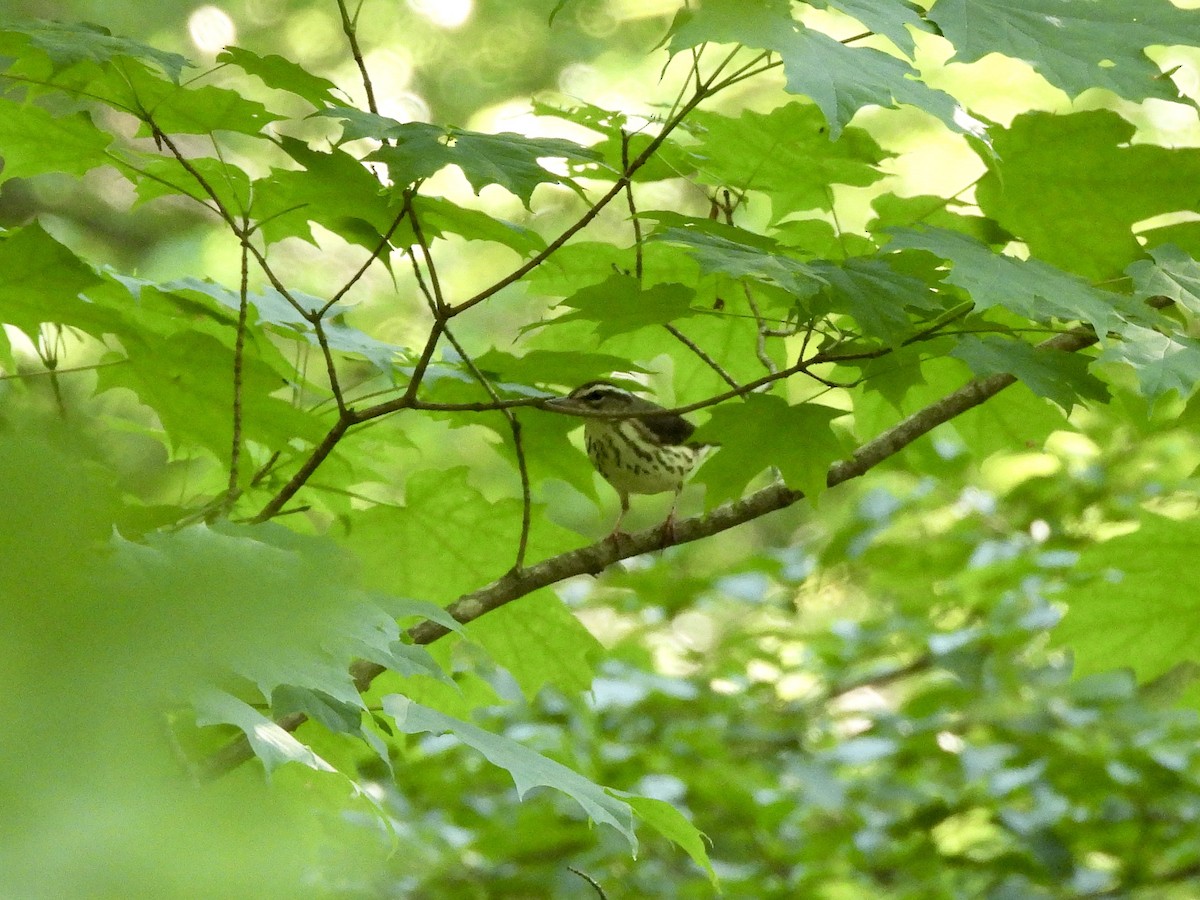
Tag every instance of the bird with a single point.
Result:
(636, 454)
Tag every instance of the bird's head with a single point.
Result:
(599, 397)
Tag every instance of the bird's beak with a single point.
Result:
(562, 405)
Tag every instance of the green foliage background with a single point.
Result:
(279, 498)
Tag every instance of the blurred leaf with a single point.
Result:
(528, 769)
(1162, 362)
(673, 825)
(71, 43)
(339, 716)
(43, 281)
(475, 540)
(272, 744)
(1140, 606)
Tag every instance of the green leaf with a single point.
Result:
(43, 281)
(675, 827)
(887, 17)
(1173, 274)
(1072, 187)
(468, 540)
(337, 715)
(282, 74)
(1075, 46)
(1029, 288)
(35, 142)
(68, 44)
(619, 305)
(937, 212)
(528, 769)
(839, 79)
(441, 217)
(513, 161)
(539, 641)
(1061, 377)
(764, 432)
(555, 456)
(1144, 609)
(403, 608)
(271, 308)
(272, 744)
(188, 380)
(335, 190)
(414, 151)
(565, 367)
(786, 154)
(740, 254)
(876, 295)
(1162, 362)
(175, 109)
(842, 80)
(166, 177)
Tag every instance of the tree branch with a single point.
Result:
(594, 558)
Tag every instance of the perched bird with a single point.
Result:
(647, 454)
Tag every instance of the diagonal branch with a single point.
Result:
(594, 558)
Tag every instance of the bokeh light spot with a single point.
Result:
(211, 29)
(444, 13)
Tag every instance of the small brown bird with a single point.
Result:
(635, 454)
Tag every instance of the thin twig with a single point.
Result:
(310, 465)
(706, 90)
(590, 880)
(761, 331)
(427, 255)
(704, 357)
(639, 269)
(239, 351)
(243, 234)
(518, 447)
(760, 339)
(265, 469)
(52, 372)
(437, 306)
(384, 243)
(163, 139)
(330, 367)
(350, 29)
(638, 250)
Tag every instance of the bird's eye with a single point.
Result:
(593, 396)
